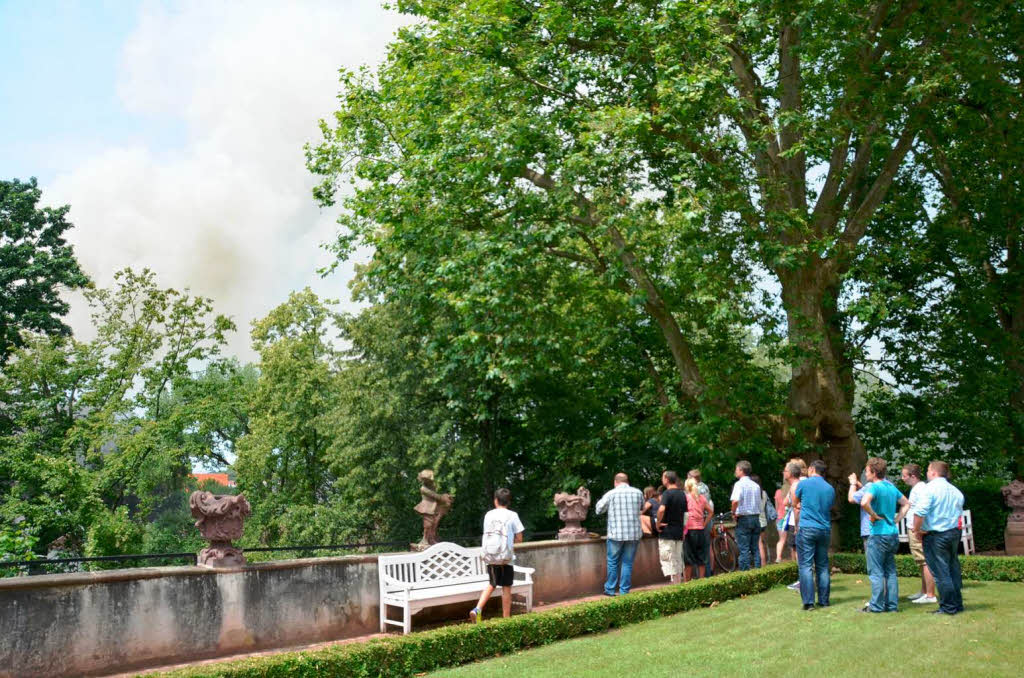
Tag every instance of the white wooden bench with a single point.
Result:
(442, 574)
(966, 530)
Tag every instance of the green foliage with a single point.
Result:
(454, 645)
(984, 498)
(36, 265)
(112, 533)
(977, 568)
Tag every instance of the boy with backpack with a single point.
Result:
(502, 528)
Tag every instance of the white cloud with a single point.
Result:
(229, 214)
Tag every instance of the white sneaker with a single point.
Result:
(924, 600)
(915, 596)
(795, 586)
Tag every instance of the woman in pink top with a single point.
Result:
(696, 540)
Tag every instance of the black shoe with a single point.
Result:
(825, 605)
(605, 593)
(808, 608)
(868, 611)
(943, 612)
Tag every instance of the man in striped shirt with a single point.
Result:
(623, 505)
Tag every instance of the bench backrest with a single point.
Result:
(966, 524)
(442, 563)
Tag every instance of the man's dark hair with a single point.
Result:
(819, 467)
(756, 479)
(671, 477)
(913, 470)
(503, 496)
(744, 466)
(940, 467)
(878, 467)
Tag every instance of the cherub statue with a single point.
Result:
(433, 506)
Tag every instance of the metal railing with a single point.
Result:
(52, 565)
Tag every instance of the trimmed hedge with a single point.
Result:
(977, 568)
(464, 643)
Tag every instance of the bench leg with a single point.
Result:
(383, 617)
(529, 600)
(407, 620)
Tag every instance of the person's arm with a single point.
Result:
(854, 486)
(520, 530)
(661, 514)
(904, 507)
(918, 524)
(602, 504)
(865, 504)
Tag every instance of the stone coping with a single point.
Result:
(40, 581)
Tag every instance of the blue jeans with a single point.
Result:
(881, 559)
(748, 532)
(940, 552)
(620, 553)
(812, 558)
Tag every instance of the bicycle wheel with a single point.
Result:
(725, 552)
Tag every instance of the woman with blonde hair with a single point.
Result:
(697, 513)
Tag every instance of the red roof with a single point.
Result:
(220, 478)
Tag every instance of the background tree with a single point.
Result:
(662, 158)
(36, 265)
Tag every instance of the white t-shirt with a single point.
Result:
(511, 519)
(915, 496)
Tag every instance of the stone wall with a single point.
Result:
(103, 622)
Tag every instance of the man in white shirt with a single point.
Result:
(911, 475)
(746, 509)
(502, 519)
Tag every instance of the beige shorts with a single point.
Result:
(670, 552)
(916, 549)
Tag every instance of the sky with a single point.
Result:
(175, 132)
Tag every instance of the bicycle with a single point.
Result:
(724, 548)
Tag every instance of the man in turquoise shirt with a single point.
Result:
(937, 523)
(880, 502)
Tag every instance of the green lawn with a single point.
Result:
(769, 634)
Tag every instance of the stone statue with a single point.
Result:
(433, 506)
(219, 519)
(1013, 494)
(572, 509)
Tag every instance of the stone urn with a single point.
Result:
(220, 519)
(1013, 494)
(572, 509)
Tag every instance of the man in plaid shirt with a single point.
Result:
(623, 504)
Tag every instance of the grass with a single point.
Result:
(768, 634)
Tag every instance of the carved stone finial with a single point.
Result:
(572, 509)
(220, 519)
(1013, 494)
(432, 507)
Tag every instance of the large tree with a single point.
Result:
(36, 265)
(661, 156)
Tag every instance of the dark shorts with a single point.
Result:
(696, 547)
(500, 575)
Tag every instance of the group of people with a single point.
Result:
(680, 515)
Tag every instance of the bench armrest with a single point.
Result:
(528, 571)
(392, 583)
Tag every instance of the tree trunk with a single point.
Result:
(821, 388)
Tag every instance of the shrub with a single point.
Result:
(977, 568)
(988, 509)
(454, 645)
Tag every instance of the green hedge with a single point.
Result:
(977, 568)
(463, 643)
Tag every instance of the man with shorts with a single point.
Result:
(505, 524)
(670, 527)
(911, 475)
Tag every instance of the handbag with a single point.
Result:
(769, 510)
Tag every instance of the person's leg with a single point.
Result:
(755, 545)
(876, 574)
(892, 583)
(665, 556)
(506, 601)
(780, 546)
(626, 557)
(821, 566)
(677, 561)
(929, 580)
(484, 597)
(956, 583)
(614, 553)
(937, 557)
(744, 542)
(805, 556)
(763, 548)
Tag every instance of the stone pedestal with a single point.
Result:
(220, 519)
(1013, 494)
(572, 509)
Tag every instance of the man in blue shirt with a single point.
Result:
(814, 500)
(882, 501)
(937, 523)
(746, 507)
